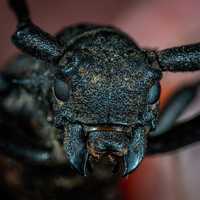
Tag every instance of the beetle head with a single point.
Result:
(108, 89)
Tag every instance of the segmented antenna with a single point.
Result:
(32, 39)
(21, 10)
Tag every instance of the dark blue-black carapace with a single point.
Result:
(100, 90)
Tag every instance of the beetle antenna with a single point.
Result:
(21, 10)
(31, 39)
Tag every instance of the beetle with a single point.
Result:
(91, 91)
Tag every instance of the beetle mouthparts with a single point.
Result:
(118, 149)
(122, 151)
(106, 166)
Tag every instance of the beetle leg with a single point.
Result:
(176, 106)
(31, 39)
(179, 136)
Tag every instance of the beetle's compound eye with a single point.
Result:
(154, 93)
(61, 90)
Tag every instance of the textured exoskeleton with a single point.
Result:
(93, 92)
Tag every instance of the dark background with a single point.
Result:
(152, 23)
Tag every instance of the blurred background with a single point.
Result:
(154, 24)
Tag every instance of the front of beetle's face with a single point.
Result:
(107, 105)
